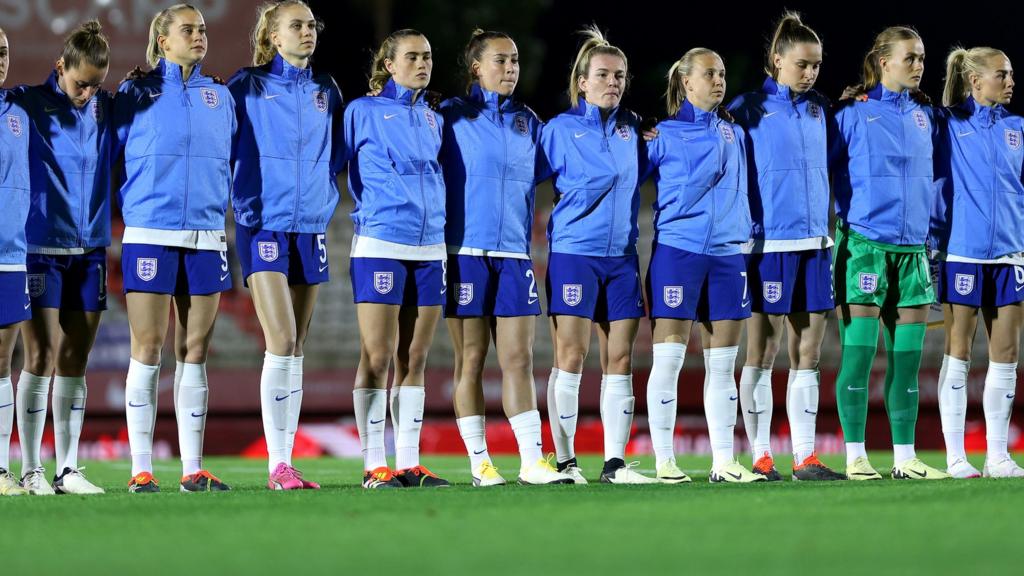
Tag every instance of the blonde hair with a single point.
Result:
(676, 91)
(960, 65)
(263, 49)
(475, 50)
(161, 26)
(871, 75)
(379, 74)
(594, 43)
(86, 43)
(789, 32)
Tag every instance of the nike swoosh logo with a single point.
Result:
(134, 405)
(873, 118)
(279, 398)
(863, 474)
(733, 397)
(578, 134)
(627, 412)
(745, 304)
(809, 412)
(567, 417)
(735, 476)
(49, 110)
(322, 268)
(225, 276)
(852, 389)
(376, 421)
(960, 387)
(910, 391)
(73, 407)
(668, 401)
(31, 411)
(270, 96)
(539, 444)
(295, 391)
(532, 300)
(962, 134)
(767, 114)
(194, 415)
(479, 452)
(922, 474)
(6, 405)
(389, 116)
(417, 420)
(28, 305)
(752, 412)
(1010, 396)
(154, 95)
(1019, 288)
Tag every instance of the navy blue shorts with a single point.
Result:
(174, 270)
(301, 257)
(486, 286)
(398, 282)
(980, 285)
(15, 304)
(601, 288)
(788, 282)
(69, 282)
(688, 286)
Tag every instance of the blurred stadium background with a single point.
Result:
(35, 29)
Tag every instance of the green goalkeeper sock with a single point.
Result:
(903, 349)
(860, 341)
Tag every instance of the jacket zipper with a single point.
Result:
(82, 193)
(615, 181)
(297, 87)
(504, 174)
(188, 151)
(416, 124)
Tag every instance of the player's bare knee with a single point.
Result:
(518, 361)
(40, 361)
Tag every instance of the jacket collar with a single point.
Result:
(398, 93)
(777, 91)
(172, 72)
(986, 115)
(592, 113)
(488, 99)
(690, 113)
(281, 68)
(882, 93)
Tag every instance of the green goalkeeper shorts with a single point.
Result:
(879, 274)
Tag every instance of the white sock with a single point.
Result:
(562, 446)
(69, 393)
(472, 429)
(802, 409)
(371, 410)
(720, 403)
(33, 393)
(855, 450)
(566, 409)
(953, 405)
(756, 406)
(294, 405)
(179, 367)
(1000, 384)
(274, 399)
(662, 398)
(410, 422)
(526, 427)
(902, 452)
(617, 420)
(140, 411)
(6, 421)
(190, 411)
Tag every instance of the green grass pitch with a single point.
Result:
(887, 527)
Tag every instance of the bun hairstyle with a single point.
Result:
(789, 32)
(594, 43)
(960, 65)
(475, 50)
(161, 26)
(379, 74)
(263, 49)
(86, 44)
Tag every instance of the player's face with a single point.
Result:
(995, 86)
(412, 64)
(185, 43)
(81, 82)
(497, 69)
(705, 85)
(5, 57)
(605, 81)
(798, 68)
(905, 65)
(296, 33)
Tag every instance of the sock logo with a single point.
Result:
(194, 415)
(280, 398)
(1010, 396)
(417, 420)
(31, 411)
(809, 412)
(372, 421)
(77, 408)
(627, 412)
(479, 452)
(668, 401)
(733, 397)
(134, 405)
(852, 389)
(960, 387)
(911, 390)
(567, 417)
